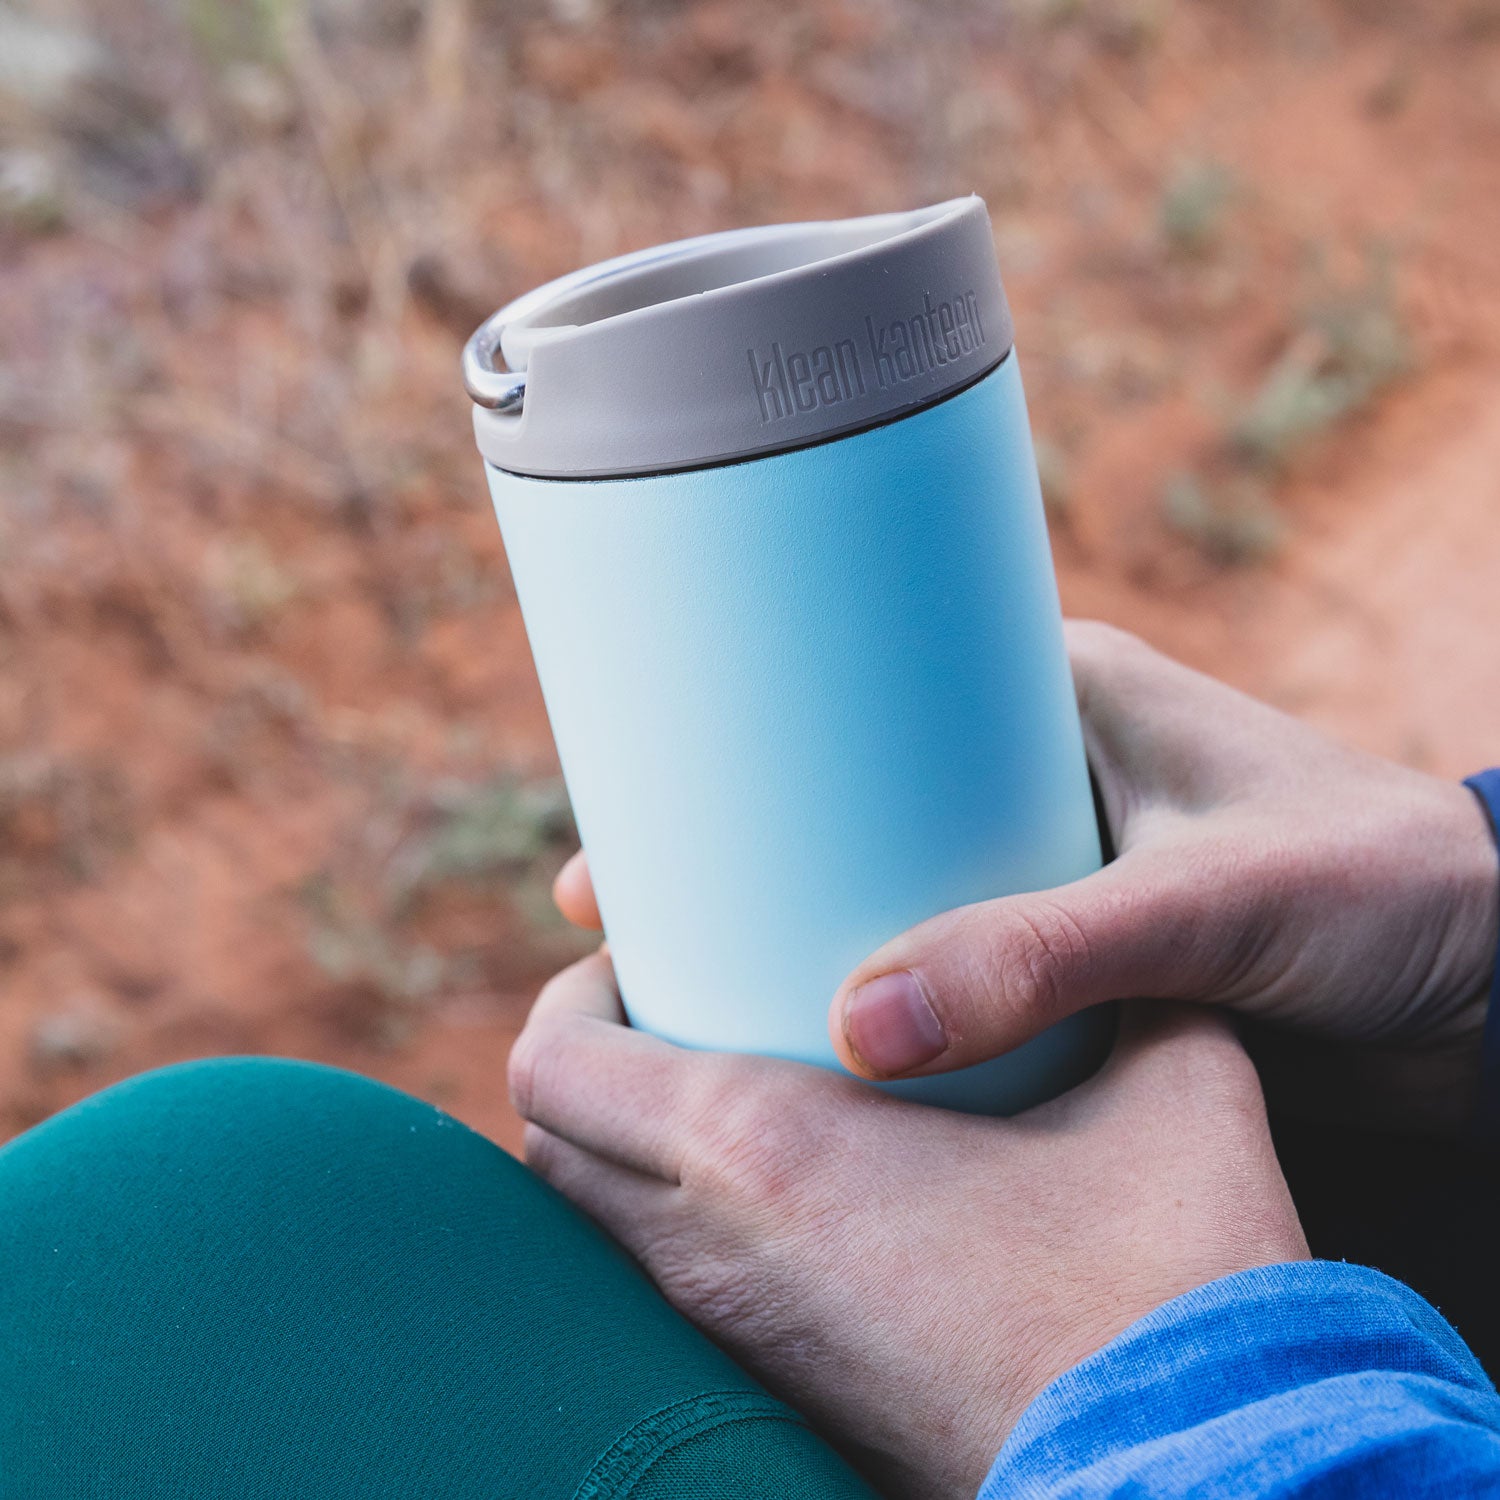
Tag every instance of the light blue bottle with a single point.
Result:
(772, 511)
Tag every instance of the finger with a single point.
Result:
(977, 982)
(573, 891)
(1149, 723)
(631, 1207)
(1143, 720)
(618, 1093)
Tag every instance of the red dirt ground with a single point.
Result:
(264, 694)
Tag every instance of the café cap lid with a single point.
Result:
(739, 344)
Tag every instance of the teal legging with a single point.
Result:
(251, 1278)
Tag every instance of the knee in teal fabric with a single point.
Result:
(259, 1278)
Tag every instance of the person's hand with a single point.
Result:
(909, 1278)
(1260, 866)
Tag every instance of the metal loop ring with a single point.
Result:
(499, 390)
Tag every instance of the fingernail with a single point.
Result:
(889, 1025)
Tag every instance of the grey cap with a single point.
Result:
(738, 344)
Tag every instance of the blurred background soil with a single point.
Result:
(274, 771)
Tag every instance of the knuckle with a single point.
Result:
(755, 1171)
(750, 1137)
(1036, 958)
(531, 1057)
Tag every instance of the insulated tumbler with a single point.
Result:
(772, 511)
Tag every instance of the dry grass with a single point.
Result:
(265, 700)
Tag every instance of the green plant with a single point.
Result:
(31, 196)
(1232, 523)
(251, 585)
(1134, 25)
(1054, 12)
(1121, 25)
(479, 831)
(59, 816)
(1350, 344)
(1193, 206)
(354, 946)
(506, 832)
(230, 31)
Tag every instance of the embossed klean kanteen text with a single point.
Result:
(792, 381)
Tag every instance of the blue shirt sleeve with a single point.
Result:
(1314, 1378)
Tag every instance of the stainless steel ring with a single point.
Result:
(497, 389)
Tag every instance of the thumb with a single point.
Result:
(976, 982)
